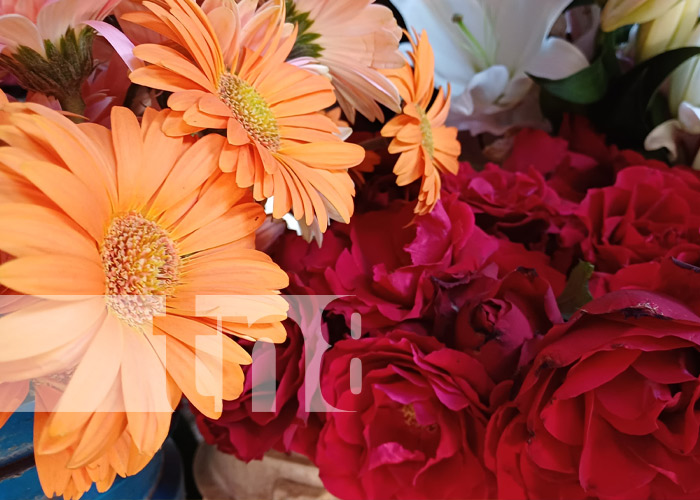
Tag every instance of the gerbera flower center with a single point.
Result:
(251, 110)
(426, 130)
(142, 267)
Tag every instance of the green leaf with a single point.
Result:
(629, 112)
(305, 45)
(589, 85)
(576, 293)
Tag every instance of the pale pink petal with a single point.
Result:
(17, 30)
(118, 40)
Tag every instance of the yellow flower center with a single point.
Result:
(426, 131)
(142, 267)
(251, 110)
(409, 417)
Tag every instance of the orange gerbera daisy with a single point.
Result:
(354, 39)
(426, 145)
(278, 142)
(119, 232)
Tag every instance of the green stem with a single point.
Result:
(73, 103)
(481, 53)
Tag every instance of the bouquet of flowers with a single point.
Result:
(442, 248)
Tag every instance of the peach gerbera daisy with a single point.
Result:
(354, 39)
(278, 142)
(426, 145)
(119, 232)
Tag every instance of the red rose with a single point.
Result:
(535, 149)
(416, 428)
(250, 434)
(499, 320)
(573, 163)
(593, 163)
(307, 263)
(643, 217)
(385, 262)
(518, 205)
(609, 408)
(676, 275)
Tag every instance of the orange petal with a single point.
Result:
(196, 118)
(239, 222)
(326, 155)
(46, 275)
(34, 230)
(182, 101)
(102, 431)
(85, 207)
(214, 202)
(128, 149)
(236, 134)
(93, 379)
(190, 171)
(174, 61)
(145, 393)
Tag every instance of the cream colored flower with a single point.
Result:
(669, 31)
(618, 13)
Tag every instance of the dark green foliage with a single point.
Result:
(576, 293)
(61, 72)
(305, 45)
(624, 106)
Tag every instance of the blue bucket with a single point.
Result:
(161, 479)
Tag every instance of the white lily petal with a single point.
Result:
(497, 120)
(453, 62)
(485, 59)
(689, 117)
(557, 59)
(667, 135)
(516, 90)
(484, 90)
(17, 30)
(521, 28)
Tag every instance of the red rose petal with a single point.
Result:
(665, 367)
(594, 371)
(607, 468)
(563, 418)
(549, 453)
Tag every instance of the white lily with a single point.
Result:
(487, 55)
(681, 135)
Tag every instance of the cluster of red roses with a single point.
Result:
(474, 385)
